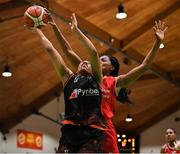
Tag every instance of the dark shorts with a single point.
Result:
(81, 139)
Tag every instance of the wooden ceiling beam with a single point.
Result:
(133, 54)
(157, 70)
(25, 111)
(12, 9)
(105, 37)
(43, 3)
(64, 14)
(147, 77)
(131, 38)
(173, 108)
(12, 4)
(117, 45)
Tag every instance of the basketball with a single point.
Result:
(35, 16)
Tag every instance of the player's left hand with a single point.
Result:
(160, 28)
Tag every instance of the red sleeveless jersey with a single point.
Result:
(108, 96)
(108, 109)
(170, 150)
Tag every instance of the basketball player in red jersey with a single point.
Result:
(172, 146)
(111, 85)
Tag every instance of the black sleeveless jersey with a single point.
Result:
(83, 100)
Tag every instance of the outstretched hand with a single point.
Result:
(160, 28)
(50, 18)
(73, 24)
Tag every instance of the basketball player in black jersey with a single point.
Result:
(83, 126)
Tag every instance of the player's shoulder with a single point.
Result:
(109, 77)
(163, 148)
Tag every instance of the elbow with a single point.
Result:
(94, 53)
(145, 66)
(49, 48)
(47, 45)
(94, 50)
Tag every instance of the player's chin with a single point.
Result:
(84, 71)
(169, 139)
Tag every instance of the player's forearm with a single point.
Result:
(63, 42)
(55, 58)
(74, 59)
(45, 42)
(152, 53)
(138, 71)
(85, 41)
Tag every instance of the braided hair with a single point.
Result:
(124, 92)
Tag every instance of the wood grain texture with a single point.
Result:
(34, 81)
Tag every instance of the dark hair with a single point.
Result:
(116, 65)
(172, 130)
(124, 92)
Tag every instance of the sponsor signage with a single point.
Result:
(31, 140)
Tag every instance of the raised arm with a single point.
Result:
(66, 48)
(62, 70)
(133, 75)
(91, 50)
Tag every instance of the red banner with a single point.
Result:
(27, 139)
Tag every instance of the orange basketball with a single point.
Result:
(35, 16)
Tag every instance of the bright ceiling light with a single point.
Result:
(7, 72)
(129, 118)
(161, 46)
(121, 14)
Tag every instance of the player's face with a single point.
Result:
(85, 66)
(106, 64)
(170, 135)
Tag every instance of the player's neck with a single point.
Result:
(171, 144)
(83, 73)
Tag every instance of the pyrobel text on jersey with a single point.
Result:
(87, 92)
